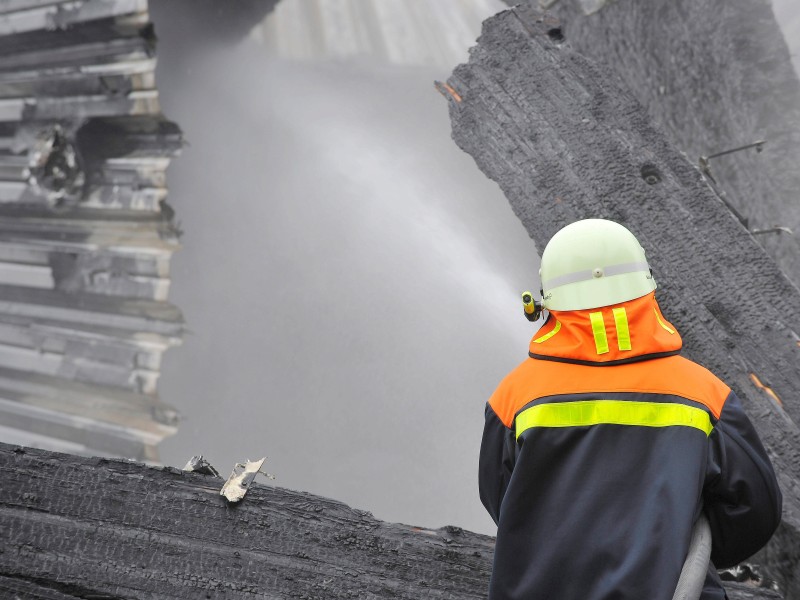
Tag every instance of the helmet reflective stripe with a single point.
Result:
(594, 274)
(593, 263)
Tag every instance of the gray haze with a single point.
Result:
(350, 279)
(787, 13)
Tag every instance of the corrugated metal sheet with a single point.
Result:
(84, 243)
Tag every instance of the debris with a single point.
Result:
(589, 7)
(705, 161)
(775, 229)
(447, 90)
(241, 478)
(759, 146)
(54, 167)
(705, 168)
(762, 386)
(198, 464)
(749, 574)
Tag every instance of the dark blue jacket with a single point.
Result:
(601, 450)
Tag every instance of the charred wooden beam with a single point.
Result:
(114, 529)
(715, 76)
(99, 528)
(565, 140)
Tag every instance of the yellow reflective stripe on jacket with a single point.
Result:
(599, 331)
(547, 336)
(623, 333)
(613, 412)
(664, 325)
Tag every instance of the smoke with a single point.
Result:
(787, 14)
(350, 278)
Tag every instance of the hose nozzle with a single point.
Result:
(532, 308)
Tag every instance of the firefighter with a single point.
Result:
(602, 449)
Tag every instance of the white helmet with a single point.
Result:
(593, 263)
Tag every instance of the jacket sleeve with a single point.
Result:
(496, 462)
(741, 495)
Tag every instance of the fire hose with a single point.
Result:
(695, 567)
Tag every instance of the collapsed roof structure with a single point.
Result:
(86, 235)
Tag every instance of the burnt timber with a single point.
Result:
(565, 140)
(100, 528)
(86, 235)
(713, 75)
(76, 527)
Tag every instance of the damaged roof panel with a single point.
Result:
(85, 231)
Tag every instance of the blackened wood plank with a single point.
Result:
(97, 527)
